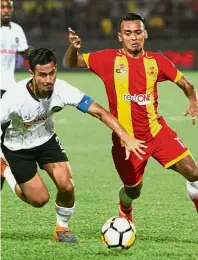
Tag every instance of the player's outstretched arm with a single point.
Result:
(131, 144)
(191, 94)
(72, 58)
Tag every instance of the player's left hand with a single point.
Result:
(74, 39)
(192, 110)
(136, 146)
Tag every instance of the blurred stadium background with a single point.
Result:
(172, 25)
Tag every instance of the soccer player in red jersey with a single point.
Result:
(130, 76)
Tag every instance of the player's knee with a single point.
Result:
(193, 174)
(40, 201)
(66, 186)
(133, 193)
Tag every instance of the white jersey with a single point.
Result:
(30, 119)
(12, 40)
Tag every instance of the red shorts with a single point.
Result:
(165, 147)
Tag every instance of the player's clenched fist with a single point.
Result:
(74, 39)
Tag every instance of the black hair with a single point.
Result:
(9, 2)
(41, 56)
(132, 17)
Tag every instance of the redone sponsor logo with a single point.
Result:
(141, 99)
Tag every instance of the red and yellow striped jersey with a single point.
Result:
(131, 87)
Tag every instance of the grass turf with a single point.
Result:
(165, 218)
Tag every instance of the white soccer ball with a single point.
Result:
(118, 232)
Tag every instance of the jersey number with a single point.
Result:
(59, 143)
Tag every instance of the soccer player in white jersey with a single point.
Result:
(30, 138)
(13, 41)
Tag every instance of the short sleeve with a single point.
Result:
(167, 70)
(22, 44)
(68, 94)
(96, 62)
(73, 96)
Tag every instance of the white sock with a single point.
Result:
(63, 215)
(124, 198)
(10, 178)
(193, 189)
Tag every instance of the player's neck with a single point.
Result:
(5, 24)
(134, 55)
(40, 95)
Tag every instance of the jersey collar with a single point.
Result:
(123, 51)
(6, 26)
(32, 93)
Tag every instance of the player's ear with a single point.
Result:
(11, 6)
(145, 34)
(119, 37)
(31, 73)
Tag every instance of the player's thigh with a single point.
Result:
(54, 160)
(35, 191)
(61, 175)
(130, 171)
(169, 149)
(187, 167)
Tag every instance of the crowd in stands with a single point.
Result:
(100, 18)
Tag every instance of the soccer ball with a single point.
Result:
(118, 232)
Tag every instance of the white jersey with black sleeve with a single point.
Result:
(13, 40)
(30, 119)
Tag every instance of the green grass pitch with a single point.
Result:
(165, 218)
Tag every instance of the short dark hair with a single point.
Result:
(41, 56)
(9, 2)
(132, 17)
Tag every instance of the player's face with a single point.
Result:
(6, 12)
(132, 34)
(44, 77)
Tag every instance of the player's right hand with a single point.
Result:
(74, 39)
(136, 146)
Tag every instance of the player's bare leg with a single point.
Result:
(189, 169)
(127, 195)
(33, 192)
(65, 199)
